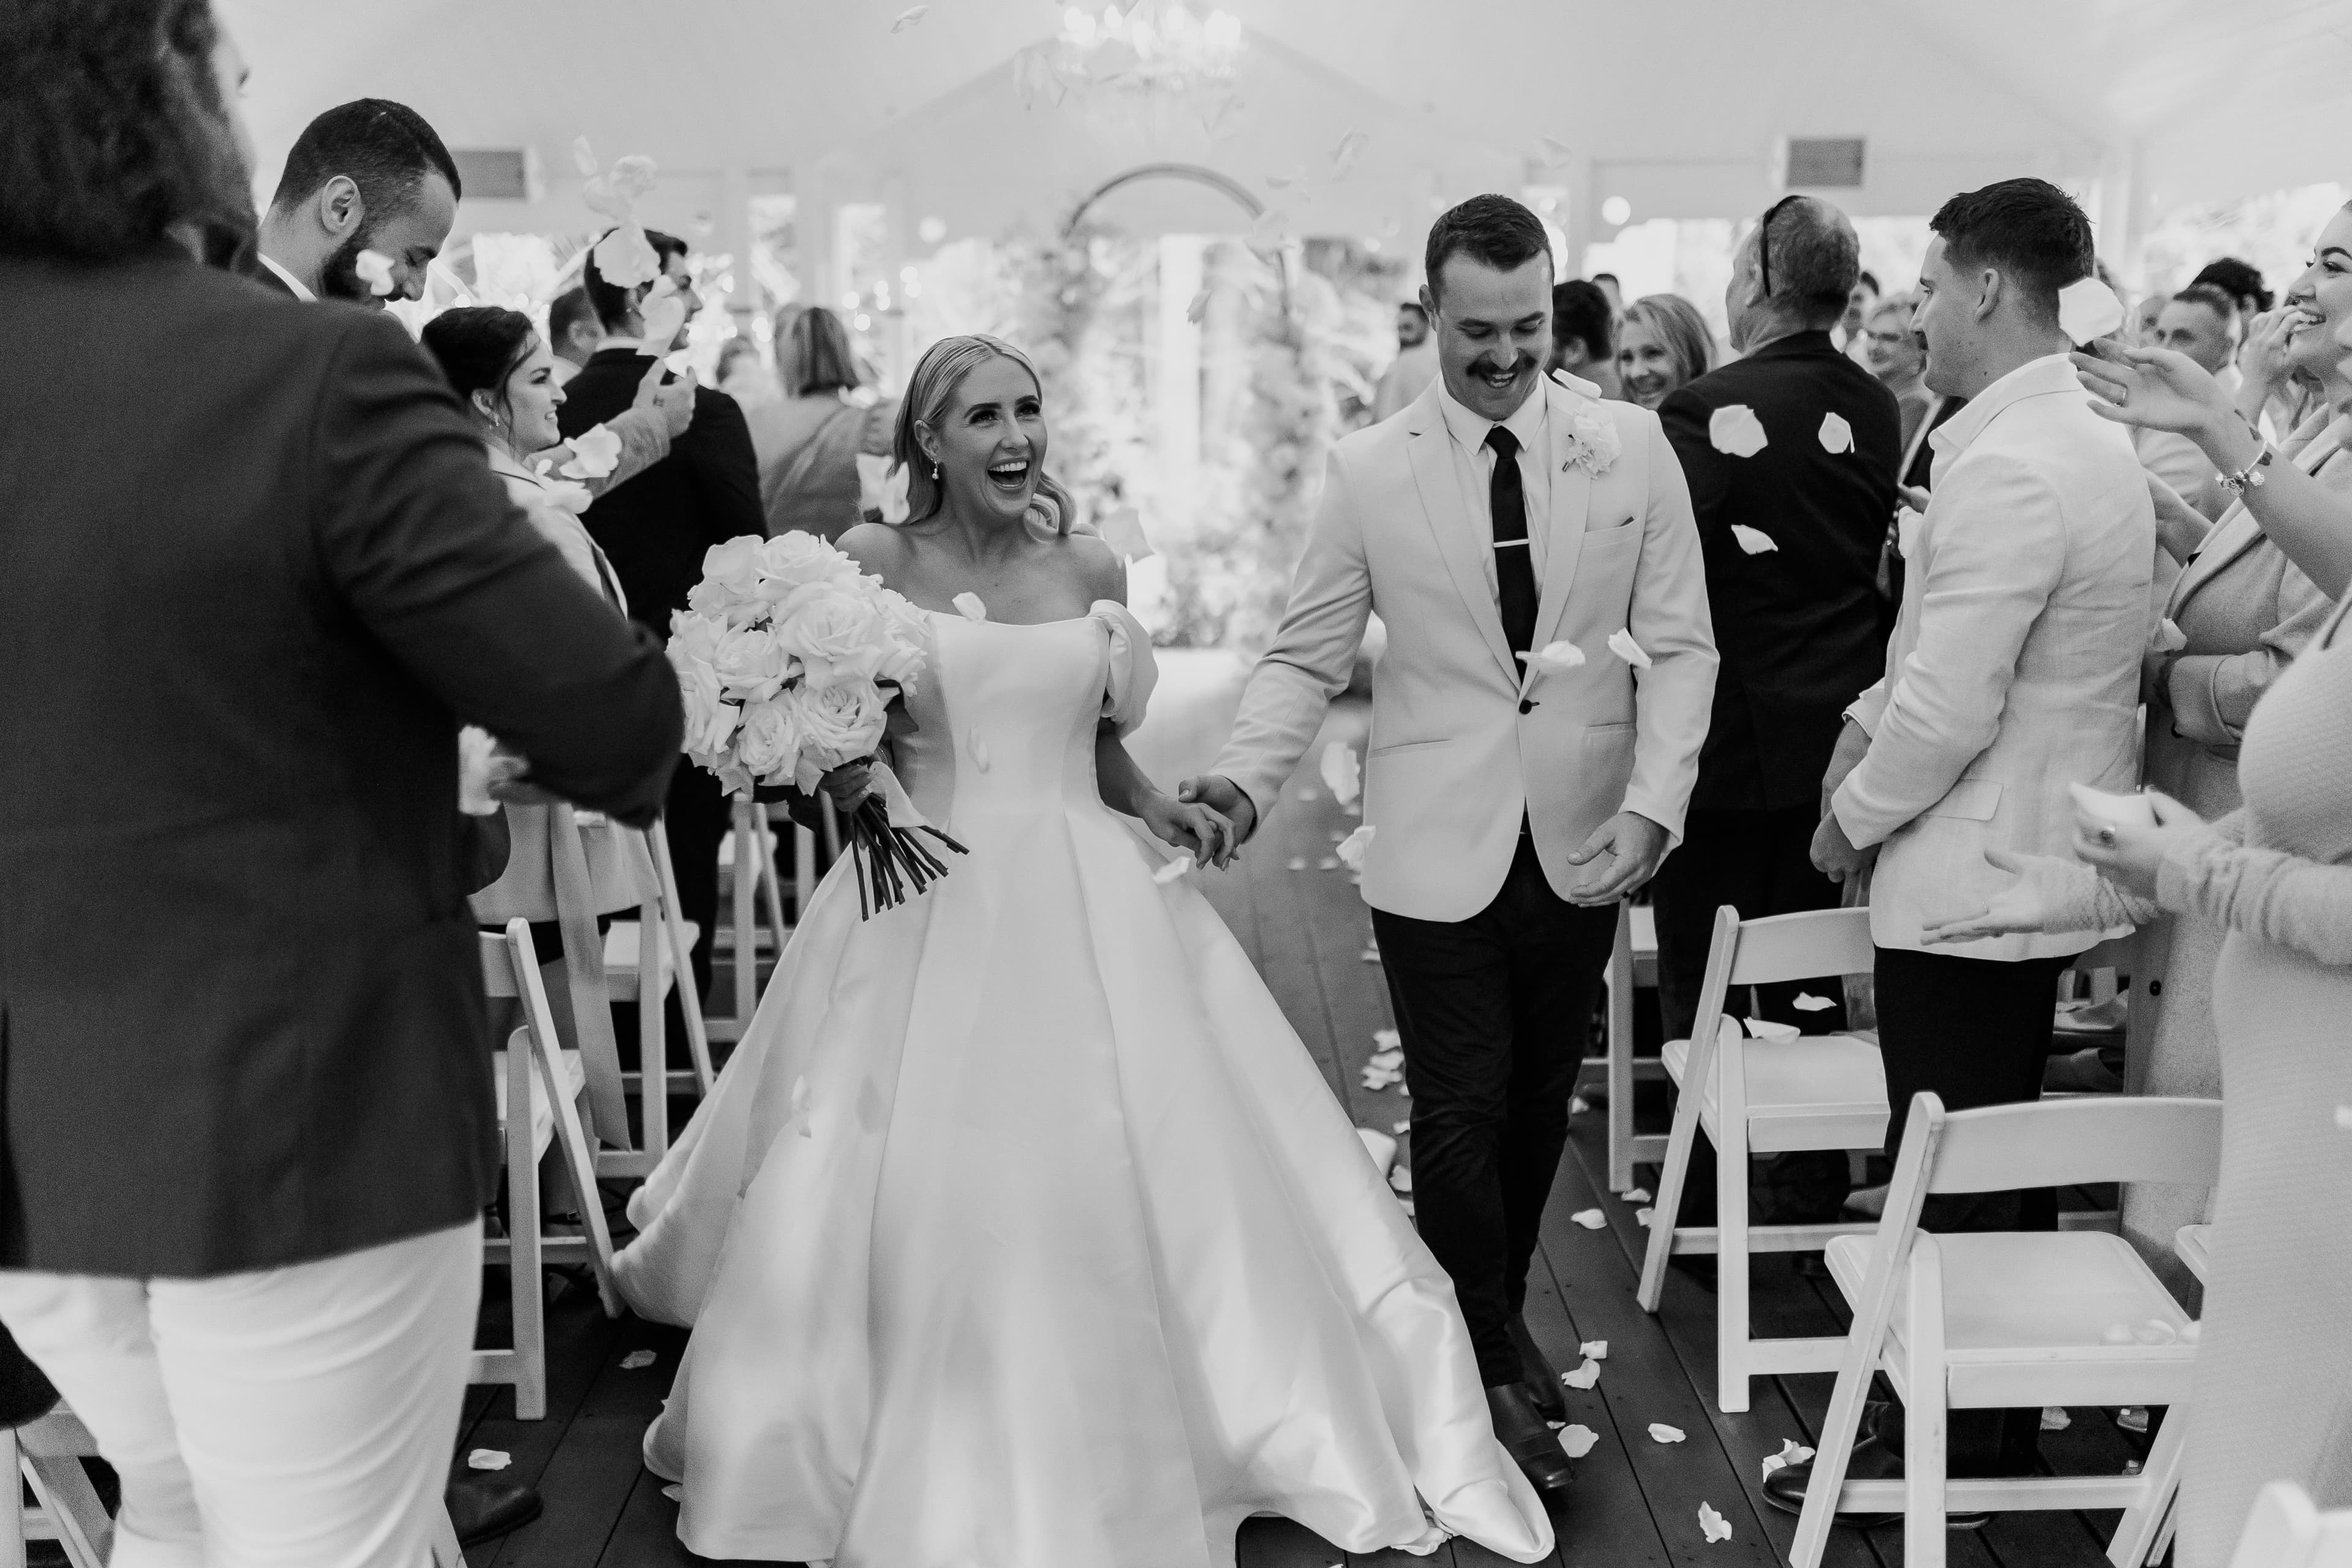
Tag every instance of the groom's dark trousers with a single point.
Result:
(1493, 1012)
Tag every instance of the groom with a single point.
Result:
(1515, 799)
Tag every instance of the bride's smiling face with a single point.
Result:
(990, 442)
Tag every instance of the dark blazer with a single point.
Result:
(1798, 627)
(254, 572)
(655, 528)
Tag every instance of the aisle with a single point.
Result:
(1636, 1502)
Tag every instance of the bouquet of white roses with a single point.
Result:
(789, 659)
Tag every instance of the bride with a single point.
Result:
(1020, 1230)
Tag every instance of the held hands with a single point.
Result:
(2127, 854)
(1226, 798)
(1636, 846)
(1834, 854)
(1190, 825)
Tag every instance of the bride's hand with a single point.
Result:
(848, 785)
(1189, 825)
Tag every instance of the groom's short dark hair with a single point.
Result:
(1494, 230)
(386, 148)
(2028, 230)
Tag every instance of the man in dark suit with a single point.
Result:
(246, 1113)
(657, 528)
(1790, 452)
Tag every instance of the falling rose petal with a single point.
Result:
(1837, 435)
(1590, 1219)
(2132, 1420)
(1584, 1376)
(1402, 1128)
(1384, 1060)
(1401, 1179)
(584, 157)
(1553, 657)
(662, 315)
(2088, 309)
(636, 1359)
(1388, 1039)
(488, 1459)
(1791, 1453)
(1351, 852)
(674, 1492)
(2055, 1418)
(1807, 1002)
(1622, 644)
(2167, 637)
(1637, 1195)
(1342, 772)
(1576, 1105)
(1171, 871)
(1328, 863)
(1344, 155)
(1662, 1433)
(595, 452)
(1198, 308)
(1593, 1350)
(1379, 1146)
(1284, 180)
(1551, 152)
(1370, 955)
(1735, 431)
(374, 268)
(1298, 865)
(1713, 1525)
(910, 17)
(1643, 1216)
(969, 606)
(1755, 541)
(1576, 1441)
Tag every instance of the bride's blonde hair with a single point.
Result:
(943, 369)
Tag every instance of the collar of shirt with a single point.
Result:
(635, 345)
(290, 281)
(1474, 468)
(2035, 377)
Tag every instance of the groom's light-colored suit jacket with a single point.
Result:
(1458, 749)
(2014, 670)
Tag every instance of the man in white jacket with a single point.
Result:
(2013, 673)
(1536, 729)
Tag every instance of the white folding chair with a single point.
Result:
(645, 976)
(534, 1072)
(752, 844)
(47, 1454)
(1633, 967)
(2283, 1531)
(2193, 1244)
(1762, 1097)
(1976, 1320)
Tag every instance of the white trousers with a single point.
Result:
(297, 1417)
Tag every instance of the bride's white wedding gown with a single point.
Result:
(1022, 1232)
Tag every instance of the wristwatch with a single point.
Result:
(2251, 477)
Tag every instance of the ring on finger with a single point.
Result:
(2107, 836)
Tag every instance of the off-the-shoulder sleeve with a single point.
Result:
(1133, 671)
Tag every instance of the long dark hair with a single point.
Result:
(479, 346)
(112, 132)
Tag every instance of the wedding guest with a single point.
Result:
(2200, 321)
(2013, 673)
(243, 1235)
(809, 440)
(572, 332)
(2241, 281)
(1607, 283)
(655, 529)
(2271, 1397)
(368, 175)
(1792, 533)
(1893, 353)
(1662, 343)
(1414, 367)
(1860, 300)
(2142, 327)
(1584, 335)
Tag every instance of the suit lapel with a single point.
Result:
(1571, 504)
(1429, 448)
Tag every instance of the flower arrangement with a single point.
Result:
(790, 659)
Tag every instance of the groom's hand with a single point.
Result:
(1635, 846)
(1223, 796)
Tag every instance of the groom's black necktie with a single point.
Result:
(1515, 573)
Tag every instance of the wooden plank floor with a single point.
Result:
(1636, 1502)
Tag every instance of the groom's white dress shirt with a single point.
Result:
(2014, 669)
(1464, 745)
(301, 291)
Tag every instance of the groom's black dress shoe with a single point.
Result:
(1871, 1460)
(1524, 1437)
(483, 1507)
(1542, 1377)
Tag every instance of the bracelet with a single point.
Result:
(2251, 477)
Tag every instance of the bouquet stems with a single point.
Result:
(893, 864)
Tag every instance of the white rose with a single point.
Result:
(793, 560)
(732, 570)
(837, 724)
(837, 632)
(750, 663)
(696, 635)
(768, 742)
(710, 720)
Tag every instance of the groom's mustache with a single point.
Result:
(1518, 365)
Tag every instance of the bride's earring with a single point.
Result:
(935, 471)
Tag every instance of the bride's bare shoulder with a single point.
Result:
(1101, 568)
(878, 547)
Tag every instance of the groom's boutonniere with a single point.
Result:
(1592, 443)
